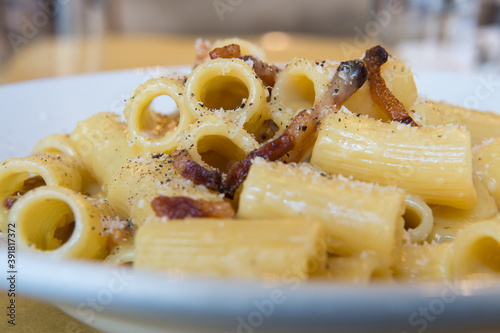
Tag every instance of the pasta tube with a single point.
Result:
(487, 166)
(230, 89)
(20, 175)
(448, 221)
(476, 250)
(155, 132)
(61, 224)
(133, 186)
(299, 86)
(237, 248)
(424, 263)
(344, 207)
(418, 219)
(217, 142)
(434, 163)
(102, 144)
(360, 269)
(426, 114)
(62, 144)
(482, 125)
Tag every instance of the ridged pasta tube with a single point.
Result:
(217, 142)
(230, 89)
(360, 269)
(418, 219)
(133, 186)
(155, 132)
(482, 125)
(424, 263)
(299, 86)
(60, 223)
(20, 175)
(476, 249)
(448, 220)
(102, 143)
(434, 163)
(345, 207)
(487, 166)
(256, 248)
(55, 143)
(62, 144)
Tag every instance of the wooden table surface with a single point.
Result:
(48, 56)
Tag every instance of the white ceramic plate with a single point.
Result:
(123, 301)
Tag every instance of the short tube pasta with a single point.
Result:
(102, 143)
(424, 263)
(487, 166)
(482, 125)
(61, 224)
(434, 163)
(254, 248)
(230, 89)
(217, 142)
(360, 269)
(448, 221)
(156, 133)
(418, 219)
(134, 185)
(299, 86)
(344, 207)
(476, 249)
(20, 175)
(55, 143)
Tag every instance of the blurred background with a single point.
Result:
(44, 38)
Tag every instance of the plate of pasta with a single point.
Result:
(239, 195)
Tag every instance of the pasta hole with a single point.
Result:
(224, 92)
(219, 152)
(300, 92)
(48, 224)
(64, 232)
(486, 256)
(412, 219)
(161, 116)
(17, 185)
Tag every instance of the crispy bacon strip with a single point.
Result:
(228, 51)
(296, 140)
(374, 58)
(189, 169)
(350, 76)
(28, 185)
(183, 207)
(266, 72)
(270, 151)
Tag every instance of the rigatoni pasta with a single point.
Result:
(432, 162)
(325, 169)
